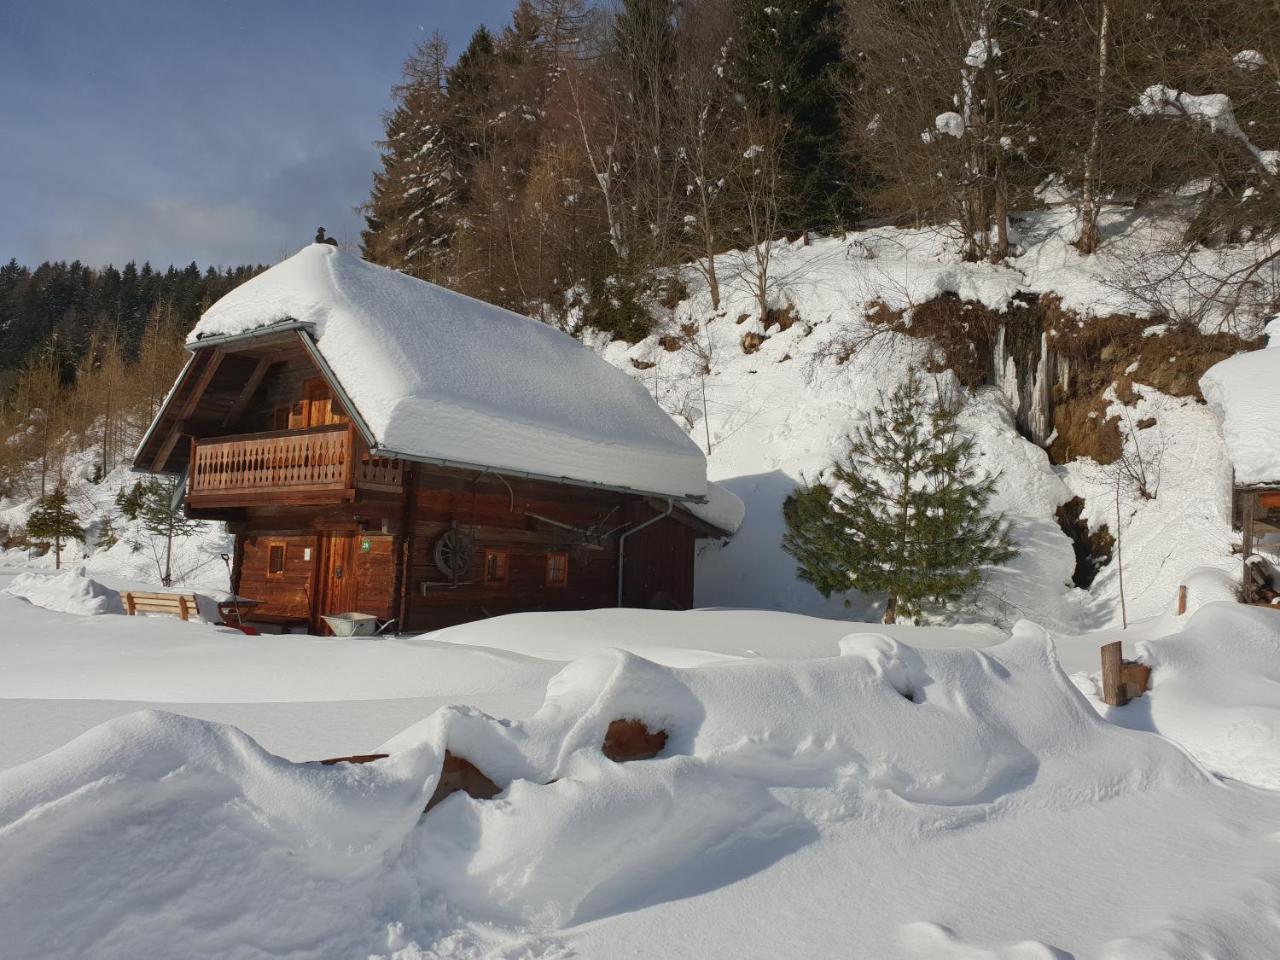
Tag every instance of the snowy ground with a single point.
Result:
(830, 789)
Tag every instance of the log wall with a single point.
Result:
(398, 577)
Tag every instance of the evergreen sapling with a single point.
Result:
(905, 514)
(53, 522)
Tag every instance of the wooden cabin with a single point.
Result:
(378, 444)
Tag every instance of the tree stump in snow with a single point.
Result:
(626, 740)
(458, 773)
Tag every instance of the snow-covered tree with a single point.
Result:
(410, 216)
(905, 512)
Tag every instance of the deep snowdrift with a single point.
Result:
(894, 798)
(1215, 689)
(67, 592)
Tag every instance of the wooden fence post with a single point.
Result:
(1113, 690)
(1182, 599)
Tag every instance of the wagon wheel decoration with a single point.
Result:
(453, 552)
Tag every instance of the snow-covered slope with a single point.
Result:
(784, 411)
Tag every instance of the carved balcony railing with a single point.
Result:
(299, 466)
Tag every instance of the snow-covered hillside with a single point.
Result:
(781, 401)
(137, 556)
(775, 405)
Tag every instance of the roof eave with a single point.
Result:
(526, 475)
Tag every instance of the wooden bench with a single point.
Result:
(175, 604)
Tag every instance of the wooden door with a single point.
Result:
(338, 572)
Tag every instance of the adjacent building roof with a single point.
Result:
(1244, 391)
(437, 375)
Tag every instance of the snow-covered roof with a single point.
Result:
(724, 509)
(1244, 391)
(438, 375)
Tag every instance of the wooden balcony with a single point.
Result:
(288, 467)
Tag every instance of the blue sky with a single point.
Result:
(219, 131)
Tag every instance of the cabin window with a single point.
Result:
(557, 569)
(496, 563)
(275, 560)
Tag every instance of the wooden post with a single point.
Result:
(129, 604)
(1246, 547)
(1113, 690)
(1182, 599)
(182, 607)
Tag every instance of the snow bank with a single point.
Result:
(1244, 391)
(686, 638)
(1216, 691)
(436, 374)
(929, 787)
(67, 592)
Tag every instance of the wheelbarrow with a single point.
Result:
(355, 624)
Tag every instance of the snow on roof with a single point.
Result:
(1244, 391)
(439, 375)
(724, 509)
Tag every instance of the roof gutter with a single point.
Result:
(525, 475)
(622, 542)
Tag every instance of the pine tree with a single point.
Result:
(788, 64)
(905, 515)
(53, 522)
(412, 213)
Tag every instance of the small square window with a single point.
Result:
(557, 569)
(495, 566)
(275, 560)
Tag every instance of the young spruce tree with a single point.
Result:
(160, 511)
(53, 522)
(905, 515)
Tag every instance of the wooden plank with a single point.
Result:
(171, 441)
(1113, 688)
(1270, 499)
(246, 394)
(201, 385)
(1182, 599)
